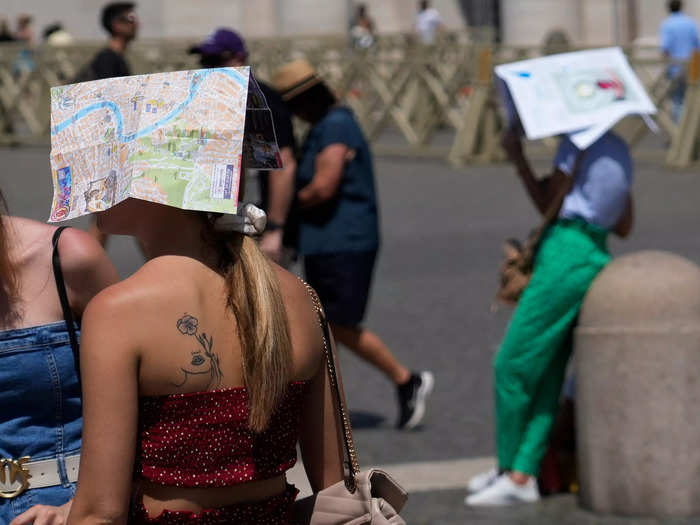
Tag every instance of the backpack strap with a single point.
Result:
(63, 297)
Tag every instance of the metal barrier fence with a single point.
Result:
(411, 99)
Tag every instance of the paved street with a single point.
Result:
(442, 231)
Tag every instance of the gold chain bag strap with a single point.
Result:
(516, 270)
(370, 497)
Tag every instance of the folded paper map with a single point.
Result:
(583, 94)
(172, 138)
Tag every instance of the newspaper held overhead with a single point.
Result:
(583, 94)
(172, 138)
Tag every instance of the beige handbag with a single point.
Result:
(370, 497)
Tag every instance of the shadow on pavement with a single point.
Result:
(365, 420)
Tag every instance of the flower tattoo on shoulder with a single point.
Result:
(202, 355)
(187, 325)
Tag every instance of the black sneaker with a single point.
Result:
(412, 397)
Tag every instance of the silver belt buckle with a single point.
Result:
(17, 474)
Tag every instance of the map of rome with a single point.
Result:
(172, 138)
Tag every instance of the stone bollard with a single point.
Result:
(637, 351)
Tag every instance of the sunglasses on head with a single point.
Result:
(127, 19)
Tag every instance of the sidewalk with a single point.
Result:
(436, 497)
(447, 508)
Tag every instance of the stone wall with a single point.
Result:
(259, 18)
(587, 22)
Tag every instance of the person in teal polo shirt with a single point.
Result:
(339, 227)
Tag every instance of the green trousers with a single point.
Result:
(530, 365)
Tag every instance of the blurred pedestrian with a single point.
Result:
(5, 37)
(24, 63)
(428, 22)
(201, 372)
(226, 48)
(530, 365)
(679, 40)
(25, 30)
(339, 231)
(56, 36)
(5, 33)
(120, 21)
(362, 30)
(40, 420)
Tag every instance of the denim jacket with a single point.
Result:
(40, 407)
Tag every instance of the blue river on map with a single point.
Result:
(197, 80)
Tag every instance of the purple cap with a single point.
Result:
(221, 41)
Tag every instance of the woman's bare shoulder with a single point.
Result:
(26, 223)
(73, 240)
(28, 234)
(295, 293)
(167, 267)
(79, 250)
(158, 280)
(154, 287)
(301, 312)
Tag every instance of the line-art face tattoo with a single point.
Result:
(204, 360)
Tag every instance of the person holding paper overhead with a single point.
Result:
(530, 365)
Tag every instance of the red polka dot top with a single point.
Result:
(201, 439)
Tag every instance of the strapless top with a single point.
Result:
(202, 439)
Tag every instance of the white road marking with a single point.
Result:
(420, 476)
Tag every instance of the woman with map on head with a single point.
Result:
(202, 370)
(47, 277)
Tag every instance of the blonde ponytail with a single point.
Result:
(9, 287)
(255, 298)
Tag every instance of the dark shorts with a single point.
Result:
(342, 281)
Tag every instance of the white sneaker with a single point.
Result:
(504, 491)
(482, 480)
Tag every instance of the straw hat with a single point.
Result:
(294, 78)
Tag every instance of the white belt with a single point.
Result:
(18, 475)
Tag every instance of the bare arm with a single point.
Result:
(86, 268)
(330, 163)
(280, 195)
(109, 367)
(98, 235)
(320, 433)
(664, 41)
(541, 191)
(281, 187)
(624, 225)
